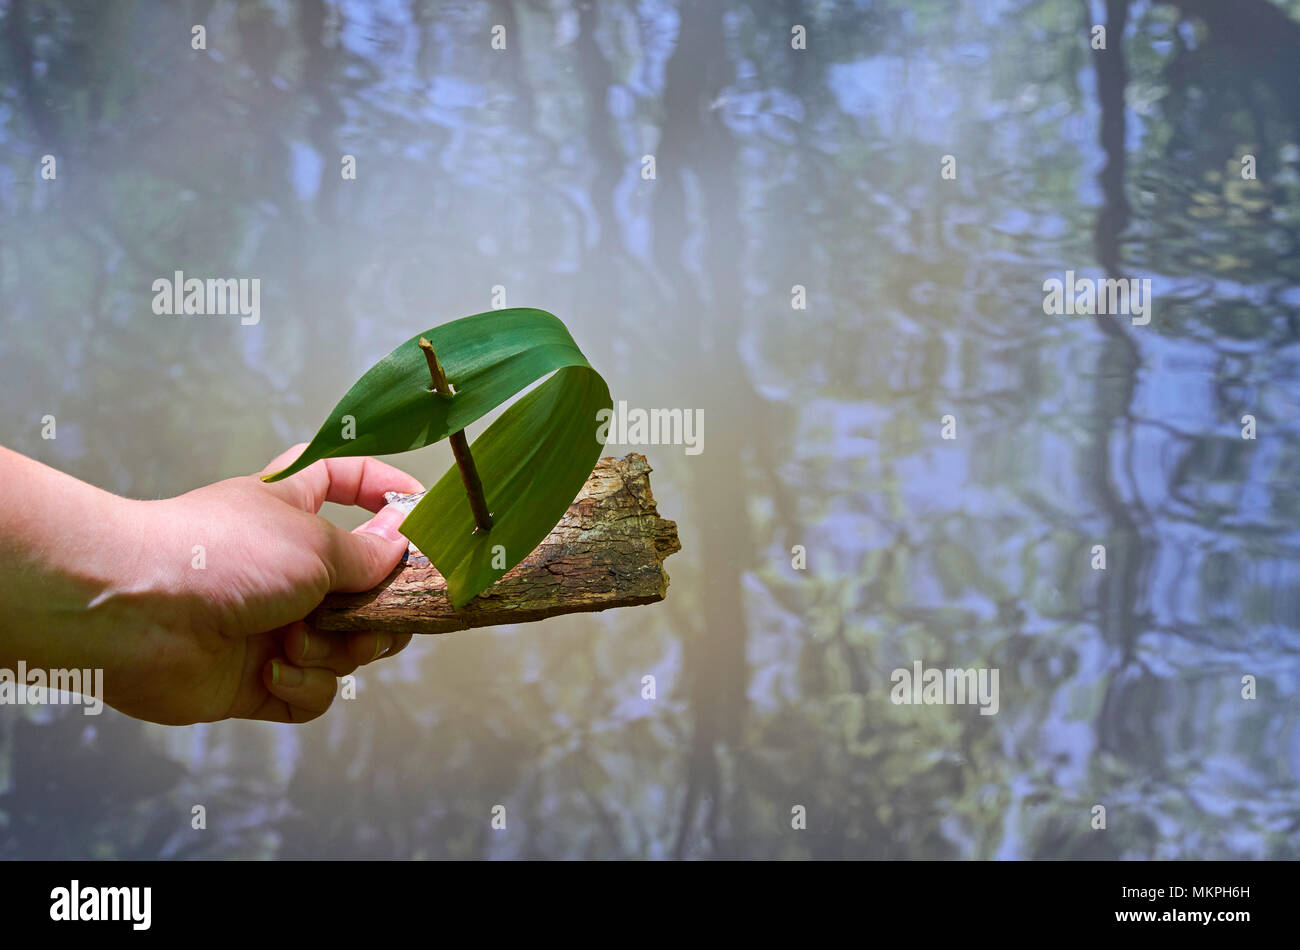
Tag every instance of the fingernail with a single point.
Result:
(317, 649)
(282, 674)
(385, 523)
(383, 643)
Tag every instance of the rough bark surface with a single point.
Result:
(607, 551)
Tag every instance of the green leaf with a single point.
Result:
(533, 460)
(488, 358)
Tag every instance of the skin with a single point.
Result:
(92, 580)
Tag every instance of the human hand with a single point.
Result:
(217, 631)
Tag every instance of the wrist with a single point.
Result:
(77, 591)
(142, 589)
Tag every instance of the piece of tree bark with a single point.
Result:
(607, 551)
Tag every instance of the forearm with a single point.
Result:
(70, 567)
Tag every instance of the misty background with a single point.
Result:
(774, 167)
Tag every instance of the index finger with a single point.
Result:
(344, 481)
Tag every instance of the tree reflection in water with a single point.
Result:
(774, 167)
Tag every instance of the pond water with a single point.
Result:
(912, 178)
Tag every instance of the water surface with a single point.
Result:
(774, 168)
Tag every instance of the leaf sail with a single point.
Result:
(533, 460)
(488, 358)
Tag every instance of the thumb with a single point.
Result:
(362, 558)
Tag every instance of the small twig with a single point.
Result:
(459, 445)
